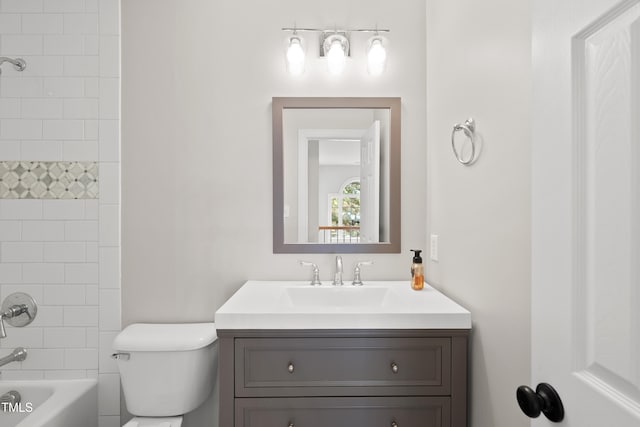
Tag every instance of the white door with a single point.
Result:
(586, 209)
(370, 185)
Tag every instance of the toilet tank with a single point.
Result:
(166, 369)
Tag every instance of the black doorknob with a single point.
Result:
(545, 399)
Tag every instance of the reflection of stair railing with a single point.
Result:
(340, 233)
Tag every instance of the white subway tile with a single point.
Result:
(65, 374)
(43, 273)
(21, 6)
(107, 364)
(92, 209)
(84, 150)
(109, 16)
(110, 182)
(110, 268)
(81, 316)
(109, 140)
(64, 87)
(91, 6)
(63, 209)
(23, 337)
(84, 231)
(81, 273)
(20, 209)
(20, 129)
(42, 150)
(82, 66)
(63, 44)
(23, 87)
(92, 295)
(44, 359)
(43, 66)
(109, 225)
(21, 252)
(81, 358)
(42, 231)
(109, 56)
(10, 231)
(42, 23)
(21, 44)
(93, 252)
(92, 87)
(110, 310)
(49, 316)
(91, 128)
(66, 6)
(63, 129)
(10, 150)
(91, 45)
(92, 373)
(81, 23)
(34, 290)
(41, 108)
(63, 295)
(21, 375)
(109, 98)
(10, 108)
(10, 23)
(64, 337)
(93, 340)
(109, 421)
(108, 394)
(80, 108)
(10, 273)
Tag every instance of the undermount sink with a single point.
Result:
(376, 304)
(335, 296)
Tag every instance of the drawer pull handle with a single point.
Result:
(291, 368)
(291, 424)
(394, 423)
(394, 369)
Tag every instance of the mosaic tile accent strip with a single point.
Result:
(48, 180)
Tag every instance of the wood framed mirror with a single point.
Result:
(336, 175)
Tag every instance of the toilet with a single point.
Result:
(166, 370)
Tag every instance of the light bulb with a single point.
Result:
(295, 56)
(336, 57)
(376, 57)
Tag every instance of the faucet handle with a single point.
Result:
(357, 281)
(315, 280)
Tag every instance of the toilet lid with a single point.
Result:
(154, 422)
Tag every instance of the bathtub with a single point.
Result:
(52, 403)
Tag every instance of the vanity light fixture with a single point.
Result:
(335, 47)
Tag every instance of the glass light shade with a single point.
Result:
(336, 57)
(376, 57)
(295, 56)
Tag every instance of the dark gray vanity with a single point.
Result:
(372, 376)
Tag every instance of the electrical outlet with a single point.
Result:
(433, 253)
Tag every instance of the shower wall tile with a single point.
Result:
(64, 107)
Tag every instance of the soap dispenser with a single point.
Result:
(417, 271)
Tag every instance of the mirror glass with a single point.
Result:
(336, 175)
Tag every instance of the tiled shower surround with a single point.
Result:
(59, 238)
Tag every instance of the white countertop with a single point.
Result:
(375, 305)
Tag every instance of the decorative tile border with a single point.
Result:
(48, 180)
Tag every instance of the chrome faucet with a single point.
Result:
(17, 355)
(337, 278)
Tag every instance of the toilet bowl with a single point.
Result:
(166, 370)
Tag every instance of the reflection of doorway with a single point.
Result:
(343, 215)
(326, 158)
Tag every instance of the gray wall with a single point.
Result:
(198, 77)
(479, 65)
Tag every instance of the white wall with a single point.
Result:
(65, 253)
(479, 65)
(198, 78)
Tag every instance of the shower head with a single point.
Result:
(18, 63)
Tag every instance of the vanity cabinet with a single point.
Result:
(314, 378)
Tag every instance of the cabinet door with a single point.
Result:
(342, 366)
(344, 412)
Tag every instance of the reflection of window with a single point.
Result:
(344, 212)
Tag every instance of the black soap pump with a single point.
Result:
(417, 271)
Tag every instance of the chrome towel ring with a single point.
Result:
(469, 129)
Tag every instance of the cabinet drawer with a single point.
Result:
(342, 366)
(344, 412)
